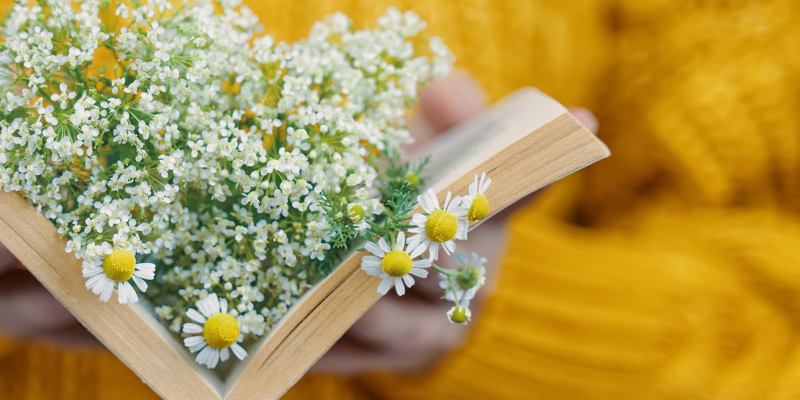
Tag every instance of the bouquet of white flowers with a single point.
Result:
(220, 174)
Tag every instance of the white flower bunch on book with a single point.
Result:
(169, 144)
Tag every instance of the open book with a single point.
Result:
(524, 142)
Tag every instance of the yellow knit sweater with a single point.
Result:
(669, 271)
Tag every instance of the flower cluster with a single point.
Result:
(157, 132)
(435, 227)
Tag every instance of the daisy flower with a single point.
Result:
(471, 277)
(475, 203)
(395, 265)
(438, 227)
(118, 269)
(216, 333)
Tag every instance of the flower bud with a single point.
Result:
(412, 177)
(459, 315)
(468, 276)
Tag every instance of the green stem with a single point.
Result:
(445, 271)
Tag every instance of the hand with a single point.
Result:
(28, 310)
(413, 332)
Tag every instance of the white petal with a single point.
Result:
(408, 280)
(203, 355)
(415, 240)
(384, 246)
(132, 296)
(90, 272)
(422, 273)
(223, 305)
(122, 294)
(454, 205)
(199, 346)
(433, 251)
(370, 261)
(460, 258)
(238, 351)
(422, 263)
(443, 279)
(224, 354)
(374, 271)
(473, 187)
(385, 285)
(463, 228)
(193, 341)
(212, 301)
(399, 287)
(146, 267)
(401, 241)
(140, 283)
(419, 219)
(144, 275)
(213, 358)
(447, 200)
(374, 249)
(94, 281)
(485, 185)
(208, 305)
(192, 329)
(449, 246)
(101, 285)
(417, 250)
(195, 316)
(432, 200)
(107, 291)
(423, 202)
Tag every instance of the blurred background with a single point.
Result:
(669, 271)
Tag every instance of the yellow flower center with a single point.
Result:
(356, 213)
(119, 265)
(397, 263)
(479, 208)
(441, 226)
(221, 331)
(459, 315)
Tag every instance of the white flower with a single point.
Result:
(475, 203)
(218, 332)
(395, 265)
(438, 226)
(471, 277)
(118, 268)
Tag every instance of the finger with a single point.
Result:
(349, 357)
(585, 117)
(443, 104)
(450, 101)
(27, 308)
(76, 336)
(7, 260)
(407, 325)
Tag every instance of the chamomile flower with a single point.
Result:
(216, 333)
(118, 269)
(476, 204)
(438, 226)
(459, 315)
(395, 265)
(470, 277)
